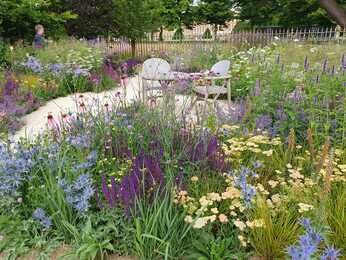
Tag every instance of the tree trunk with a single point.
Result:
(336, 11)
(216, 28)
(161, 34)
(133, 47)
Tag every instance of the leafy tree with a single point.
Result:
(217, 13)
(94, 18)
(18, 18)
(176, 13)
(283, 12)
(135, 18)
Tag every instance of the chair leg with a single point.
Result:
(229, 92)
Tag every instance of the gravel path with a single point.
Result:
(36, 122)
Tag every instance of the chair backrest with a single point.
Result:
(155, 66)
(221, 68)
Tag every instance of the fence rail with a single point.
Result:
(260, 37)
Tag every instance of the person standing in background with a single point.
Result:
(39, 40)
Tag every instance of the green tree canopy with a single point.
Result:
(95, 18)
(134, 18)
(283, 12)
(217, 13)
(176, 13)
(18, 18)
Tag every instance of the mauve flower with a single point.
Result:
(111, 72)
(95, 78)
(306, 64)
(343, 62)
(278, 59)
(257, 89)
(324, 65)
(263, 122)
(52, 123)
(10, 86)
(297, 95)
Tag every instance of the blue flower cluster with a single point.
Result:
(90, 162)
(56, 68)
(15, 164)
(33, 64)
(79, 72)
(79, 141)
(79, 193)
(240, 181)
(308, 245)
(40, 215)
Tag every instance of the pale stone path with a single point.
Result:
(35, 123)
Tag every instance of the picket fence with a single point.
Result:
(152, 44)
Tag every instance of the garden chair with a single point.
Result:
(220, 71)
(153, 70)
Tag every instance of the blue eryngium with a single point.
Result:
(308, 245)
(330, 253)
(15, 165)
(40, 216)
(78, 193)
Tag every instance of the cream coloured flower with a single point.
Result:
(242, 240)
(200, 222)
(268, 153)
(273, 183)
(304, 207)
(194, 178)
(214, 210)
(276, 198)
(239, 224)
(223, 218)
(188, 219)
(213, 196)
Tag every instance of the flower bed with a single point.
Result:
(266, 181)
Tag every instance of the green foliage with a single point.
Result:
(178, 34)
(174, 13)
(160, 229)
(208, 247)
(95, 18)
(4, 54)
(207, 34)
(18, 237)
(134, 18)
(281, 230)
(18, 18)
(217, 13)
(91, 243)
(284, 13)
(336, 218)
